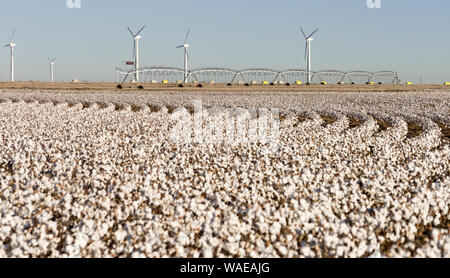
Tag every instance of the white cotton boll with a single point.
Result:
(70, 250)
(437, 220)
(283, 251)
(207, 252)
(340, 251)
(137, 254)
(397, 216)
(435, 234)
(328, 240)
(68, 198)
(183, 239)
(214, 242)
(446, 249)
(306, 251)
(81, 240)
(43, 244)
(275, 228)
(120, 235)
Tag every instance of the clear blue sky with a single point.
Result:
(411, 37)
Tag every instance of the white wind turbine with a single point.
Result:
(186, 56)
(52, 64)
(136, 39)
(11, 45)
(308, 39)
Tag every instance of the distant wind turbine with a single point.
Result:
(136, 39)
(308, 39)
(186, 56)
(52, 63)
(11, 45)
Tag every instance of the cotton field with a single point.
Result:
(99, 174)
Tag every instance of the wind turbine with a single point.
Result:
(308, 39)
(52, 63)
(11, 45)
(136, 39)
(186, 56)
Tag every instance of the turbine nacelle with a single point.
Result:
(184, 46)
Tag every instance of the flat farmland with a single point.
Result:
(108, 86)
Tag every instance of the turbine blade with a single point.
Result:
(180, 46)
(187, 35)
(12, 36)
(134, 50)
(313, 33)
(130, 31)
(140, 31)
(303, 32)
(187, 54)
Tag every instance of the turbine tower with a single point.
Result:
(11, 45)
(136, 39)
(308, 40)
(186, 56)
(52, 63)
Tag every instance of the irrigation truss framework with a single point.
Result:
(258, 75)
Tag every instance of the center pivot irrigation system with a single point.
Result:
(165, 74)
(257, 76)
